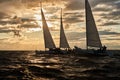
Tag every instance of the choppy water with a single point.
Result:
(28, 66)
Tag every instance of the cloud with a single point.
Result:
(3, 15)
(101, 8)
(4, 22)
(109, 9)
(73, 17)
(75, 35)
(115, 15)
(107, 32)
(75, 5)
(72, 20)
(81, 35)
(29, 25)
(14, 13)
(96, 2)
(110, 23)
(1, 1)
(7, 30)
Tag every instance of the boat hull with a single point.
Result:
(81, 52)
(86, 54)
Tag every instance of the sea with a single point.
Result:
(27, 65)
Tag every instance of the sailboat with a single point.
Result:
(63, 40)
(48, 40)
(93, 41)
(63, 44)
(49, 43)
(92, 35)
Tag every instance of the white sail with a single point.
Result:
(93, 39)
(49, 43)
(63, 40)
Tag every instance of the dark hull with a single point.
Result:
(80, 53)
(91, 54)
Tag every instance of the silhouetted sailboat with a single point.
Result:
(63, 39)
(63, 45)
(49, 43)
(48, 40)
(92, 36)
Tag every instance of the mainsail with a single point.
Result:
(63, 40)
(49, 43)
(92, 35)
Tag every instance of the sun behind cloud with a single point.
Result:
(38, 19)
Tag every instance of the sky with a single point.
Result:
(21, 27)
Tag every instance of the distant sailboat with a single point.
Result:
(63, 39)
(49, 43)
(92, 35)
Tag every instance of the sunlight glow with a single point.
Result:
(39, 20)
(37, 17)
(34, 29)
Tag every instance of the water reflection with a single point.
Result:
(28, 66)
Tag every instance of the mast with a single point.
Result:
(63, 39)
(86, 23)
(48, 41)
(92, 35)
